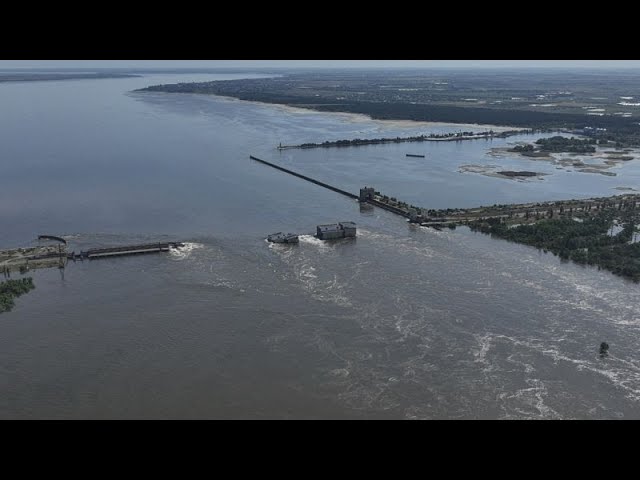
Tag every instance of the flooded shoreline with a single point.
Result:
(403, 322)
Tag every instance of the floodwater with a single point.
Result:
(402, 322)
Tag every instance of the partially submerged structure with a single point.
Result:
(280, 237)
(47, 256)
(336, 230)
(25, 259)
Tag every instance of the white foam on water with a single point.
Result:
(301, 263)
(584, 294)
(484, 342)
(340, 372)
(307, 275)
(532, 284)
(184, 252)
(631, 322)
(374, 235)
(417, 413)
(221, 283)
(533, 397)
(285, 250)
(328, 291)
(623, 374)
(413, 321)
(312, 240)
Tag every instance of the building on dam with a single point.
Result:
(367, 193)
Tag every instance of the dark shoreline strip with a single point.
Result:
(52, 237)
(383, 141)
(304, 177)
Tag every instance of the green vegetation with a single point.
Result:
(523, 148)
(433, 137)
(620, 137)
(556, 144)
(11, 289)
(588, 242)
(564, 144)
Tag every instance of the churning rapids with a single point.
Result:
(401, 322)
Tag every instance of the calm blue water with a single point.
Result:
(402, 322)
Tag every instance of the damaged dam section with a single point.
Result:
(50, 256)
(572, 229)
(23, 260)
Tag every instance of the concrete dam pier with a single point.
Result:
(363, 199)
(304, 177)
(450, 217)
(126, 250)
(47, 256)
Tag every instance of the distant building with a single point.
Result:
(367, 193)
(336, 230)
(590, 131)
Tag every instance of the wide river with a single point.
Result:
(402, 322)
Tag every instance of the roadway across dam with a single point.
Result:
(304, 177)
(524, 212)
(28, 258)
(384, 206)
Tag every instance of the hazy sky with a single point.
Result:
(614, 64)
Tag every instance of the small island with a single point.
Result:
(556, 144)
(524, 173)
(571, 154)
(494, 171)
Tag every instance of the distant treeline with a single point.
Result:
(41, 77)
(559, 144)
(454, 114)
(407, 111)
(621, 137)
(417, 138)
(564, 144)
